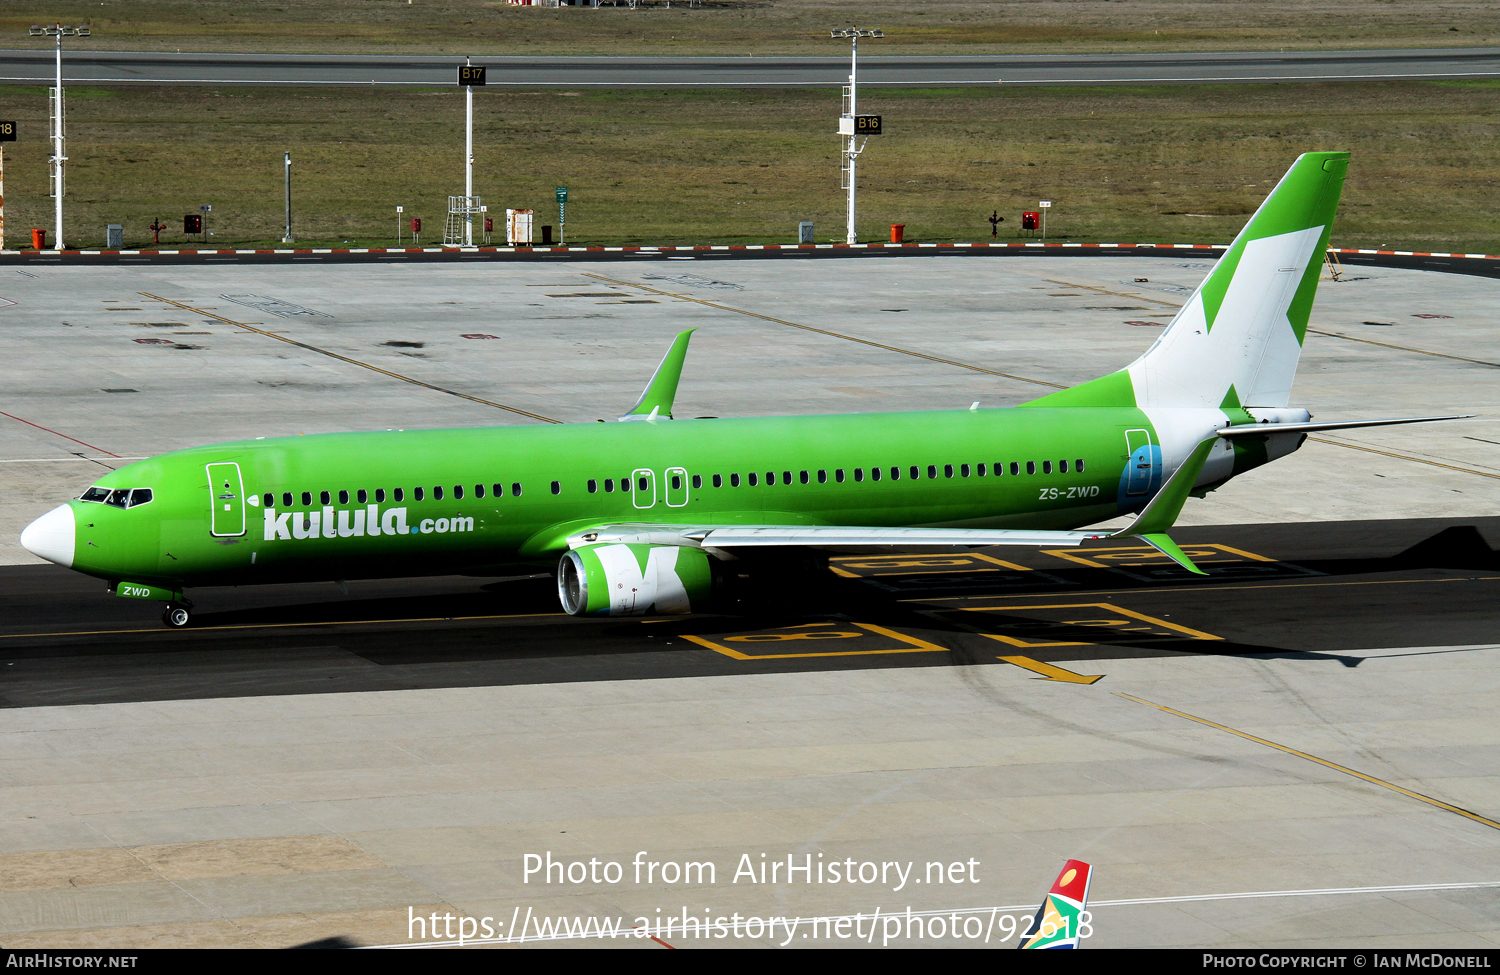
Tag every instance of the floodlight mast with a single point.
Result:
(58, 31)
(468, 162)
(851, 153)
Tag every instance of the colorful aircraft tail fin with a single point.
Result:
(1237, 340)
(1061, 915)
(656, 399)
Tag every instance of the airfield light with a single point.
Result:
(55, 100)
(848, 121)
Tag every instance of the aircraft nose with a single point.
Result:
(52, 536)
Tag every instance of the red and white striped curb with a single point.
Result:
(698, 248)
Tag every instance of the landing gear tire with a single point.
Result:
(176, 616)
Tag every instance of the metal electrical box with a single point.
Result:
(805, 232)
(518, 227)
(114, 237)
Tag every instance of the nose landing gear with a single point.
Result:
(177, 615)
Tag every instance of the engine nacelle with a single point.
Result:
(624, 579)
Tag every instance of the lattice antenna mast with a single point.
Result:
(846, 121)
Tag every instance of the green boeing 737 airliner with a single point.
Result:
(641, 517)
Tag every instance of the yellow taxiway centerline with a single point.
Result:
(1320, 761)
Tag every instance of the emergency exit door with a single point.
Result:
(227, 500)
(643, 488)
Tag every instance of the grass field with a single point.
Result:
(755, 26)
(1170, 163)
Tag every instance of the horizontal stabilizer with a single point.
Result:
(1265, 429)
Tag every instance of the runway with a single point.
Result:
(161, 68)
(1324, 590)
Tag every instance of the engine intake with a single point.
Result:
(624, 579)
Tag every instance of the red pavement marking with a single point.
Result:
(56, 434)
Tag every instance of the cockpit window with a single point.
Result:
(118, 497)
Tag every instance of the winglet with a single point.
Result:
(1061, 916)
(1151, 525)
(656, 399)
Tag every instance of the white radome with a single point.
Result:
(52, 536)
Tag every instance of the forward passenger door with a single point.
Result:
(227, 500)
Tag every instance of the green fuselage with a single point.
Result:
(192, 533)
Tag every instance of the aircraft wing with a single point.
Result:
(1150, 526)
(729, 537)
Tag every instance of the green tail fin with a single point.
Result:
(1243, 328)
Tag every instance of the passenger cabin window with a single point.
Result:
(932, 471)
(609, 485)
(1078, 465)
(697, 481)
(803, 477)
(416, 494)
(1015, 468)
(786, 477)
(1046, 467)
(268, 500)
(458, 492)
(499, 490)
(479, 490)
(325, 497)
(916, 473)
(838, 475)
(677, 482)
(343, 497)
(593, 487)
(286, 499)
(963, 470)
(822, 477)
(557, 487)
(874, 473)
(380, 495)
(437, 493)
(980, 470)
(515, 489)
(1031, 467)
(947, 470)
(306, 498)
(895, 473)
(859, 474)
(1062, 466)
(752, 479)
(734, 480)
(398, 495)
(718, 480)
(363, 496)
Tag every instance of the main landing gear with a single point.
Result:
(177, 615)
